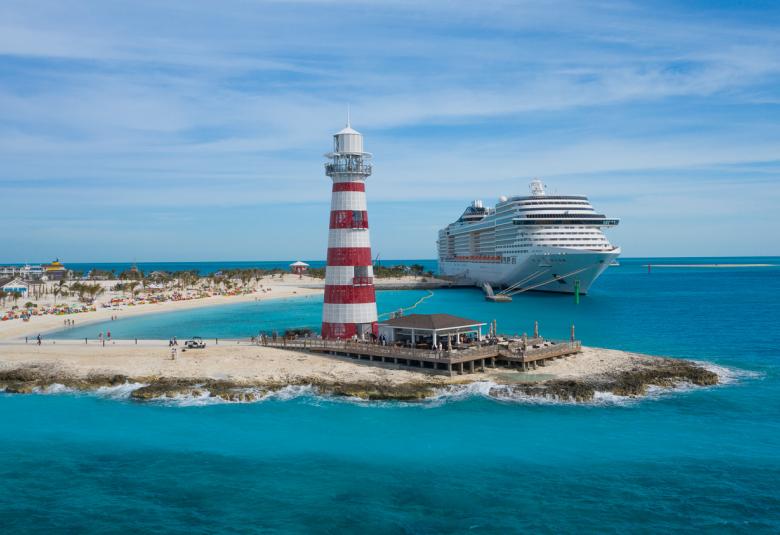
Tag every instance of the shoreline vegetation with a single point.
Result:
(245, 373)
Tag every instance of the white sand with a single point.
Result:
(276, 289)
(591, 361)
(240, 363)
(246, 363)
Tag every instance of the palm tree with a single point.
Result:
(97, 290)
(132, 286)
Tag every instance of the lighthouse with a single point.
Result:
(350, 302)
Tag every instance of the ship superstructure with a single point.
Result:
(533, 242)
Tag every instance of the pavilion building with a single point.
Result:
(430, 329)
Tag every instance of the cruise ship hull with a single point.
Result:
(553, 269)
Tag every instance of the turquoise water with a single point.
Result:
(703, 459)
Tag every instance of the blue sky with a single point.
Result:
(188, 130)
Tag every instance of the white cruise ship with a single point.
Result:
(540, 242)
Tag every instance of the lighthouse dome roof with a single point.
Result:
(347, 130)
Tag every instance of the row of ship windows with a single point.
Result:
(537, 203)
(553, 233)
(546, 238)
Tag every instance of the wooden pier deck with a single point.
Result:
(455, 361)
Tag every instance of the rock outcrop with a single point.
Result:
(662, 372)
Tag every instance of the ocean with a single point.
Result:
(703, 459)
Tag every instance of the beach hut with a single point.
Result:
(17, 286)
(299, 268)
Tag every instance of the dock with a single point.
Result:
(523, 355)
(490, 295)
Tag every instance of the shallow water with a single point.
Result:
(703, 459)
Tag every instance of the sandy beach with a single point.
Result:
(270, 288)
(233, 365)
(243, 362)
(44, 324)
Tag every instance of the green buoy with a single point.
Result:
(577, 292)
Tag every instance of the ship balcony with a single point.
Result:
(362, 281)
(359, 168)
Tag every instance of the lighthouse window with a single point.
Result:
(359, 219)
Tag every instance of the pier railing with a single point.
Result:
(558, 349)
(455, 355)
(377, 350)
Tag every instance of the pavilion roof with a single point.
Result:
(431, 322)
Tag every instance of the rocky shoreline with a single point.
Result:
(634, 382)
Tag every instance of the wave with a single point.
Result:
(504, 393)
(203, 397)
(55, 388)
(727, 376)
(122, 391)
(487, 390)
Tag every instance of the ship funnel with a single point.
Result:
(537, 187)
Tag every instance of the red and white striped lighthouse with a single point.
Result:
(350, 302)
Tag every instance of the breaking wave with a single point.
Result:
(488, 390)
(248, 395)
(503, 393)
(122, 391)
(727, 376)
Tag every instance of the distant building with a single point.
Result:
(299, 268)
(54, 271)
(16, 286)
(25, 272)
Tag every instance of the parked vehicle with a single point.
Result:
(196, 342)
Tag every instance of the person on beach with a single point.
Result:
(39, 339)
(108, 335)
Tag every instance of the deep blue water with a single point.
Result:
(704, 459)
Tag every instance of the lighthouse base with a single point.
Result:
(345, 331)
